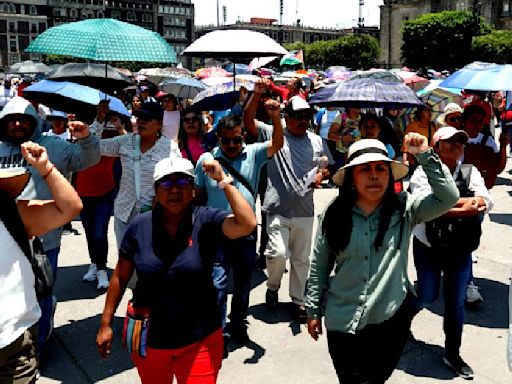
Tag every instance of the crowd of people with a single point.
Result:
(182, 186)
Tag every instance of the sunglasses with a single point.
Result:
(15, 118)
(190, 119)
(235, 140)
(300, 115)
(454, 119)
(180, 183)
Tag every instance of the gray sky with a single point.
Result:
(326, 13)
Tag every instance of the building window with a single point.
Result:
(13, 44)
(12, 8)
(13, 59)
(73, 13)
(131, 16)
(33, 10)
(22, 9)
(506, 7)
(33, 28)
(147, 18)
(116, 15)
(100, 15)
(12, 26)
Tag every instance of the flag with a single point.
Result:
(293, 58)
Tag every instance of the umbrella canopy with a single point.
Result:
(99, 76)
(203, 73)
(482, 77)
(183, 88)
(157, 75)
(70, 97)
(234, 43)
(412, 80)
(259, 62)
(377, 75)
(220, 97)
(104, 40)
(366, 93)
(240, 69)
(29, 66)
(213, 81)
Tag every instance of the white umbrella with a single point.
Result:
(28, 66)
(234, 43)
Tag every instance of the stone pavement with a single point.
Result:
(280, 350)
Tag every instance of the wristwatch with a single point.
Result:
(225, 181)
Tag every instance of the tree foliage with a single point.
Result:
(441, 40)
(495, 47)
(353, 51)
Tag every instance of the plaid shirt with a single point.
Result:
(124, 147)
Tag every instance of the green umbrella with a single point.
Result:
(104, 40)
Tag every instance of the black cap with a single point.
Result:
(150, 110)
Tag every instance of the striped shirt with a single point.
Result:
(124, 147)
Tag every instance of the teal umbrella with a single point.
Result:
(103, 40)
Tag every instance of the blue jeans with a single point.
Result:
(240, 254)
(95, 217)
(430, 264)
(47, 303)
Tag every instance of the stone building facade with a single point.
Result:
(393, 13)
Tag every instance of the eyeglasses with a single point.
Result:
(235, 140)
(190, 119)
(180, 183)
(300, 115)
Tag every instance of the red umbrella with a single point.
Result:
(204, 73)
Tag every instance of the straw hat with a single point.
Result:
(448, 110)
(13, 181)
(367, 151)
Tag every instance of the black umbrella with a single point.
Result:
(98, 76)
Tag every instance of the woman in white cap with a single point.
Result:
(173, 248)
(364, 235)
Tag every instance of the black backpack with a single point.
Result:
(40, 264)
(460, 234)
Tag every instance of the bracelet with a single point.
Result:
(226, 181)
(49, 171)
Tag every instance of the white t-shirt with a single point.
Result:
(17, 294)
(171, 124)
(64, 135)
(490, 142)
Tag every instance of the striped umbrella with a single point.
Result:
(366, 93)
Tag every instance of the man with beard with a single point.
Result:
(296, 169)
(242, 163)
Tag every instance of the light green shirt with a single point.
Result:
(369, 285)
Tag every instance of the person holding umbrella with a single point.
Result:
(364, 236)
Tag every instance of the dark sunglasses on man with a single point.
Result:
(300, 115)
(237, 140)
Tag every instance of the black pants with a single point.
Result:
(371, 354)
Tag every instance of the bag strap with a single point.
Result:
(485, 137)
(235, 174)
(136, 164)
(12, 220)
(465, 173)
(189, 154)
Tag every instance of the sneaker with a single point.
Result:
(300, 313)
(472, 294)
(459, 366)
(102, 280)
(91, 273)
(271, 299)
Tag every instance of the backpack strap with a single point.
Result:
(485, 137)
(12, 220)
(235, 174)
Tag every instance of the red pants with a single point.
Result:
(198, 363)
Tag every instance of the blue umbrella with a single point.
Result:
(239, 69)
(366, 93)
(481, 77)
(220, 97)
(70, 97)
(183, 87)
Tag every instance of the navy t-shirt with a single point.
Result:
(179, 292)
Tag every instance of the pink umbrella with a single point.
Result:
(203, 73)
(412, 80)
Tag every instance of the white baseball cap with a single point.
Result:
(445, 133)
(171, 165)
